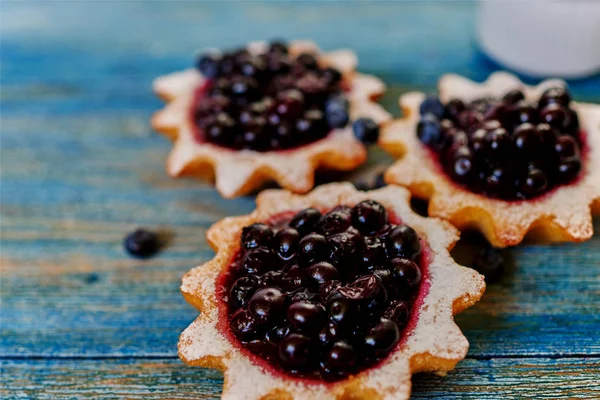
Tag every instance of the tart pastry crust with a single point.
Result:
(240, 172)
(563, 214)
(432, 342)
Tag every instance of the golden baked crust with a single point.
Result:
(564, 214)
(434, 344)
(240, 172)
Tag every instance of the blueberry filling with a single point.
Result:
(324, 296)
(508, 148)
(271, 101)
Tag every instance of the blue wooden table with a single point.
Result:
(80, 167)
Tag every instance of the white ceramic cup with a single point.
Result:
(544, 37)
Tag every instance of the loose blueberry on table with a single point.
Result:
(142, 243)
(508, 148)
(323, 296)
(271, 101)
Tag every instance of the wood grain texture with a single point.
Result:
(80, 167)
(506, 378)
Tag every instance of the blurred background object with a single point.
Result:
(559, 38)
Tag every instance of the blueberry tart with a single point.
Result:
(334, 294)
(268, 112)
(508, 159)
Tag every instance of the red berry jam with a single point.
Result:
(323, 296)
(271, 101)
(507, 148)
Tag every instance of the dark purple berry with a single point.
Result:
(568, 169)
(403, 242)
(513, 97)
(383, 337)
(241, 290)
(342, 356)
(321, 273)
(535, 182)
(342, 247)
(555, 95)
(259, 261)
(368, 216)
(398, 311)
(313, 248)
(297, 351)
(267, 304)
(142, 243)
(336, 111)
(432, 105)
(243, 325)
(305, 220)
(429, 130)
(556, 116)
(406, 273)
(366, 130)
(285, 243)
(454, 108)
(209, 64)
(372, 252)
(256, 235)
(307, 60)
(566, 147)
(333, 222)
(306, 317)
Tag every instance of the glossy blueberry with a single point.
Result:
(343, 311)
(429, 130)
(566, 146)
(513, 97)
(568, 169)
(209, 64)
(336, 111)
(341, 355)
(267, 305)
(142, 243)
(306, 317)
(461, 163)
(243, 325)
(555, 95)
(366, 130)
(256, 235)
(403, 242)
(333, 222)
(432, 105)
(406, 273)
(305, 220)
(556, 116)
(285, 243)
(398, 311)
(383, 337)
(372, 252)
(297, 351)
(321, 273)
(241, 290)
(453, 108)
(535, 182)
(313, 248)
(342, 248)
(259, 260)
(368, 216)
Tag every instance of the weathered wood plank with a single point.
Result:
(167, 378)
